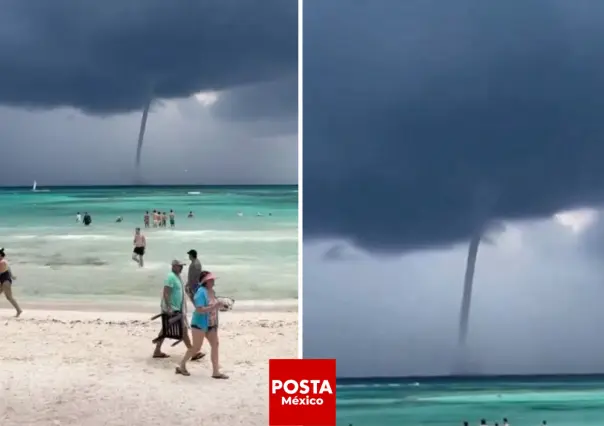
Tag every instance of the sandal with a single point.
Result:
(198, 356)
(161, 355)
(182, 371)
(220, 376)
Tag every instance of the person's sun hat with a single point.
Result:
(209, 276)
(177, 262)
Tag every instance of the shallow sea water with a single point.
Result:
(255, 257)
(524, 401)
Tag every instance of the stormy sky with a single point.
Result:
(76, 75)
(423, 121)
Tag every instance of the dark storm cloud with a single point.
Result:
(277, 99)
(111, 56)
(424, 118)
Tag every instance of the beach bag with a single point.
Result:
(227, 303)
(172, 327)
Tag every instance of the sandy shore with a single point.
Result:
(64, 367)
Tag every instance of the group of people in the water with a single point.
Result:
(86, 219)
(483, 422)
(159, 219)
(505, 422)
(155, 219)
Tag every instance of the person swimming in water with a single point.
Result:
(87, 219)
(190, 215)
(6, 282)
(119, 219)
(172, 218)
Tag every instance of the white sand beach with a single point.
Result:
(87, 368)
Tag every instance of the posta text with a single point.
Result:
(302, 392)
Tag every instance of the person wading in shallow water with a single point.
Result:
(6, 282)
(173, 302)
(140, 243)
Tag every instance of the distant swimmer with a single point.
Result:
(140, 243)
(505, 422)
(258, 214)
(87, 219)
(119, 219)
(78, 218)
(172, 218)
(190, 215)
(6, 281)
(146, 219)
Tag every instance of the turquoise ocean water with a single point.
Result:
(525, 401)
(254, 254)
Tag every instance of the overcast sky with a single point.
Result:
(423, 121)
(222, 76)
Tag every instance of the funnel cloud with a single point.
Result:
(424, 121)
(141, 133)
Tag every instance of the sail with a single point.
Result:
(35, 185)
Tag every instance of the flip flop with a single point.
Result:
(162, 355)
(220, 376)
(181, 371)
(198, 356)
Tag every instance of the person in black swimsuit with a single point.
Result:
(140, 242)
(6, 282)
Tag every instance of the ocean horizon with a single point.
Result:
(461, 377)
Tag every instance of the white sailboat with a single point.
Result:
(33, 188)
